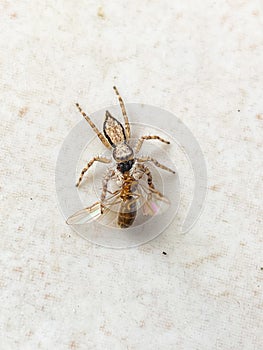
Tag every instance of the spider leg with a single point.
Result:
(151, 186)
(124, 113)
(100, 136)
(147, 172)
(155, 162)
(153, 137)
(95, 159)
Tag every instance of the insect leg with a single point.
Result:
(153, 137)
(95, 159)
(105, 182)
(101, 137)
(155, 162)
(124, 113)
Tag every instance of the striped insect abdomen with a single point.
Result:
(127, 213)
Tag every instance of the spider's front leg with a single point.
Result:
(95, 159)
(151, 137)
(155, 162)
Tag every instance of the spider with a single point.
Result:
(129, 167)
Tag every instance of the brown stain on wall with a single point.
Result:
(223, 19)
(18, 269)
(215, 188)
(13, 15)
(168, 325)
(49, 297)
(100, 13)
(179, 15)
(142, 324)
(73, 345)
(259, 116)
(29, 334)
(22, 112)
(225, 293)
(104, 330)
(200, 261)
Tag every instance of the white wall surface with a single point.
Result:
(201, 60)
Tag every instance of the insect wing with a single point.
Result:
(153, 202)
(86, 215)
(95, 212)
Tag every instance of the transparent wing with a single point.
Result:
(149, 201)
(86, 215)
(97, 211)
(152, 202)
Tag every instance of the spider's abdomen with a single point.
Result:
(113, 130)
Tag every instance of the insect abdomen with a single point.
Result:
(127, 214)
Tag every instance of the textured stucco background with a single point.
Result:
(202, 60)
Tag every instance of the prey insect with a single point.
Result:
(127, 172)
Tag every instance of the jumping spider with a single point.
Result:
(129, 168)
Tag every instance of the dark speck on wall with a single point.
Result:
(164, 253)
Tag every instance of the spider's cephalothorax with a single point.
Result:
(117, 136)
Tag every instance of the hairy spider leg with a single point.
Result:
(155, 162)
(96, 130)
(124, 113)
(147, 172)
(95, 159)
(151, 137)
